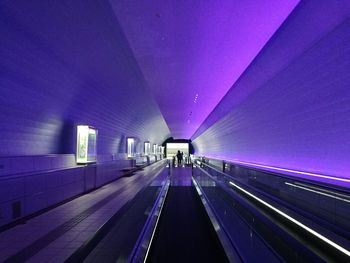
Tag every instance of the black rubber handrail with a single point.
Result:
(317, 245)
(299, 211)
(282, 175)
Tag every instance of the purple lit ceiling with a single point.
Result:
(192, 52)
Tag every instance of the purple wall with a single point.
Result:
(64, 63)
(291, 107)
(68, 62)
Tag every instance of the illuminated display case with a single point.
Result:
(147, 148)
(86, 144)
(155, 148)
(130, 147)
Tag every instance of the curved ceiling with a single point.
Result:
(192, 52)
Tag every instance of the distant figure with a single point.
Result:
(182, 156)
(179, 158)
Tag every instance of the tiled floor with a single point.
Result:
(55, 235)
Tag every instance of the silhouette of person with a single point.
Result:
(179, 158)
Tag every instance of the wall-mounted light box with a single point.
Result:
(86, 144)
(155, 148)
(130, 147)
(147, 148)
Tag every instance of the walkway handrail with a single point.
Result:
(337, 249)
(144, 242)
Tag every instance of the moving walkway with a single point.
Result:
(202, 214)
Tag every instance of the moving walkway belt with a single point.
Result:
(184, 232)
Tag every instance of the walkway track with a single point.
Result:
(124, 190)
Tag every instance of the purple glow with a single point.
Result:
(110, 63)
(290, 109)
(310, 22)
(186, 48)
